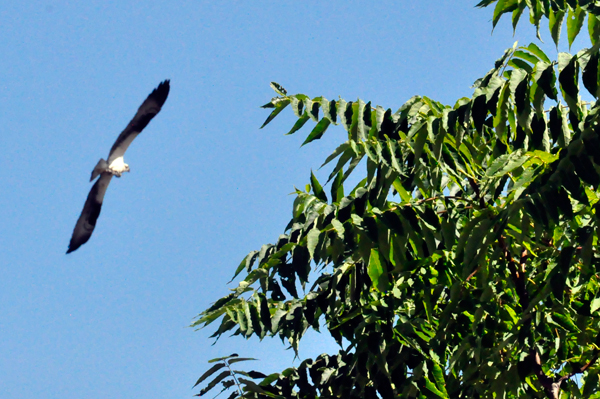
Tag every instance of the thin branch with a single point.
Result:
(581, 369)
(475, 188)
(239, 387)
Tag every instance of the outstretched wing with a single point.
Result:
(148, 110)
(91, 210)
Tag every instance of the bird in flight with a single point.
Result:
(115, 166)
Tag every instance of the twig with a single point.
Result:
(239, 387)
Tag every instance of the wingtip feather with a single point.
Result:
(161, 92)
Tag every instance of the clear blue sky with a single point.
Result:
(206, 186)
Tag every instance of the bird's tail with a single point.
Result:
(101, 166)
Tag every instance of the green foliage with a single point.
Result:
(465, 262)
(230, 378)
(556, 11)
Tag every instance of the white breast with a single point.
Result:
(118, 165)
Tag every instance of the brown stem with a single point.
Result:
(475, 188)
(582, 368)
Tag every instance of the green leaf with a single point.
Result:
(535, 50)
(251, 386)
(318, 131)
(376, 271)
(433, 388)
(329, 110)
(501, 117)
(297, 105)
(568, 78)
(556, 20)
(312, 241)
(594, 28)
(506, 163)
(214, 382)
(438, 376)
(241, 359)
(590, 74)
(546, 79)
(339, 228)
(337, 188)
(364, 120)
(346, 114)
(245, 264)
(520, 64)
(299, 123)
(312, 108)
(209, 372)
(317, 188)
(517, 15)
(406, 197)
(574, 23)
(595, 305)
(341, 149)
(280, 106)
(278, 89)
(502, 7)
(534, 59)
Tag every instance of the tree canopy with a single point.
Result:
(464, 263)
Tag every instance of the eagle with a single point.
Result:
(115, 166)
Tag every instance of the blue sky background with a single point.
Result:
(207, 186)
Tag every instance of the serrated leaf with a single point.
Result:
(280, 106)
(431, 386)
(575, 19)
(312, 241)
(556, 19)
(590, 74)
(297, 105)
(568, 78)
(246, 263)
(594, 28)
(312, 108)
(317, 188)
(535, 50)
(337, 187)
(595, 305)
(526, 56)
(506, 163)
(278, 89)
(318, 131)
(339, 150)
(346, 114)
(329, 110)
(502, 7)
(254, 387)
(214, 382)
(438, 376)
(376, 271)
(364, 120)
(546, 79)
(501, 117)
(209, 372)
(517, 15)
(299, 123)
(406, 197)
(520, 64)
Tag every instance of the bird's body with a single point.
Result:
(115, 165)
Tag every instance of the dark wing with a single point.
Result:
(148, 110)
(91, 210)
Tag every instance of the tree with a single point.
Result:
(465, 262)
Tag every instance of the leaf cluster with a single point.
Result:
(463, 264)
(555, 11)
